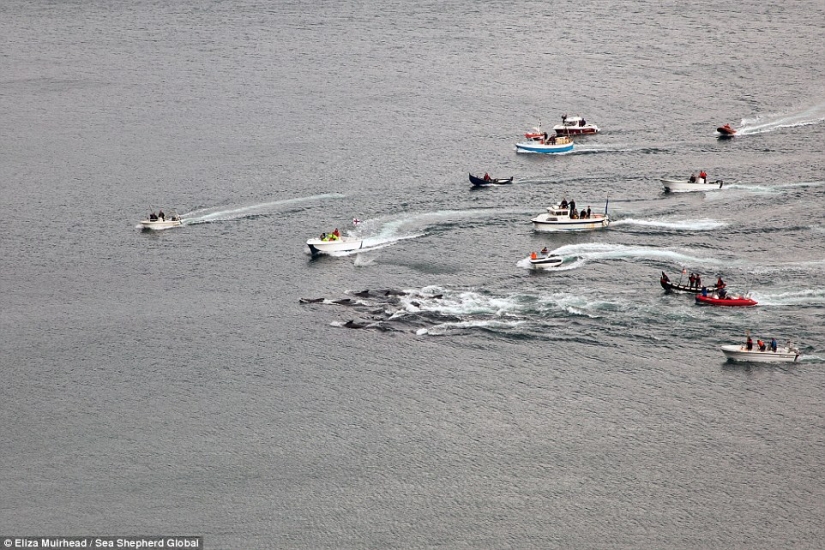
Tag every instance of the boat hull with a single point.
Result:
(344, 244)
(740, 301)
(544, 148)
(684, 186)
(741, 353)
(673, 287)
(157, 225)
(553, 223)
(546, 262)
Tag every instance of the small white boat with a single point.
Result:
(683, 186)
(575, 126)
(545, 261)
(558, 219)
(156, 223)
(341, 244)
(561, 144)
(787, 354)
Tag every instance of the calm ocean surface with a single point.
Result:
(172, 383)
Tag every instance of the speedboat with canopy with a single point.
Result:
(575, 126)
(560, 218)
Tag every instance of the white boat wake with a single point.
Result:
(205, 216)
(686, 225)
(597, 251)
(768, 123)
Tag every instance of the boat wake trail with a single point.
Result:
(686, 225)
(795, 298)
(588, 252)
(205, 216)
(768, 123)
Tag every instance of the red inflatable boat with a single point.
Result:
(740, 301)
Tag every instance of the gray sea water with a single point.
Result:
(172, 382)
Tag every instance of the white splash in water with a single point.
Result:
(252, 210)
(768, 123)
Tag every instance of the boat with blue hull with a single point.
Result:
(561, 144)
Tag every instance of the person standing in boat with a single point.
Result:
(703, 177)
(773, 345)
(749, 343)
(698, 280)
(588, 212)
(563, 203)
(692, 280)
(572, 206)
(162, 216)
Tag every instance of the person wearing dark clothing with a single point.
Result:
(773, 345)
(563, 203)
(698, 281)
(692, 280)
(162, 216)
(749, 343)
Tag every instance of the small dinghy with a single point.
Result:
(543, 260)
(483, 182)
(726, 131)
(734, 301)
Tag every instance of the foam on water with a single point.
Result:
(686, 225)
(197, 216)
(769, 123)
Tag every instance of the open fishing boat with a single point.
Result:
(157, 222)
(341, 244)
(682, 186)
(788, 354)
(560, 144)
(545, 261)
(481, 182)
(670, 286)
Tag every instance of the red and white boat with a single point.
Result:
(575, 126)
(715, 300)
(726, 131)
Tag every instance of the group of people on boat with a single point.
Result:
(334, 236)
(760, 344)
(573, 213)
(703, 177)
(160, 216)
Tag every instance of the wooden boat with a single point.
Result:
(735, 301)
(481, 182)
(561, 144)
(670, 286)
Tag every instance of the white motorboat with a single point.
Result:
(575, 126)
(156, 223)
(553, 144)
(545, 261)
(682, 186)
(558, 219)
(788, 354)
(341, 244)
